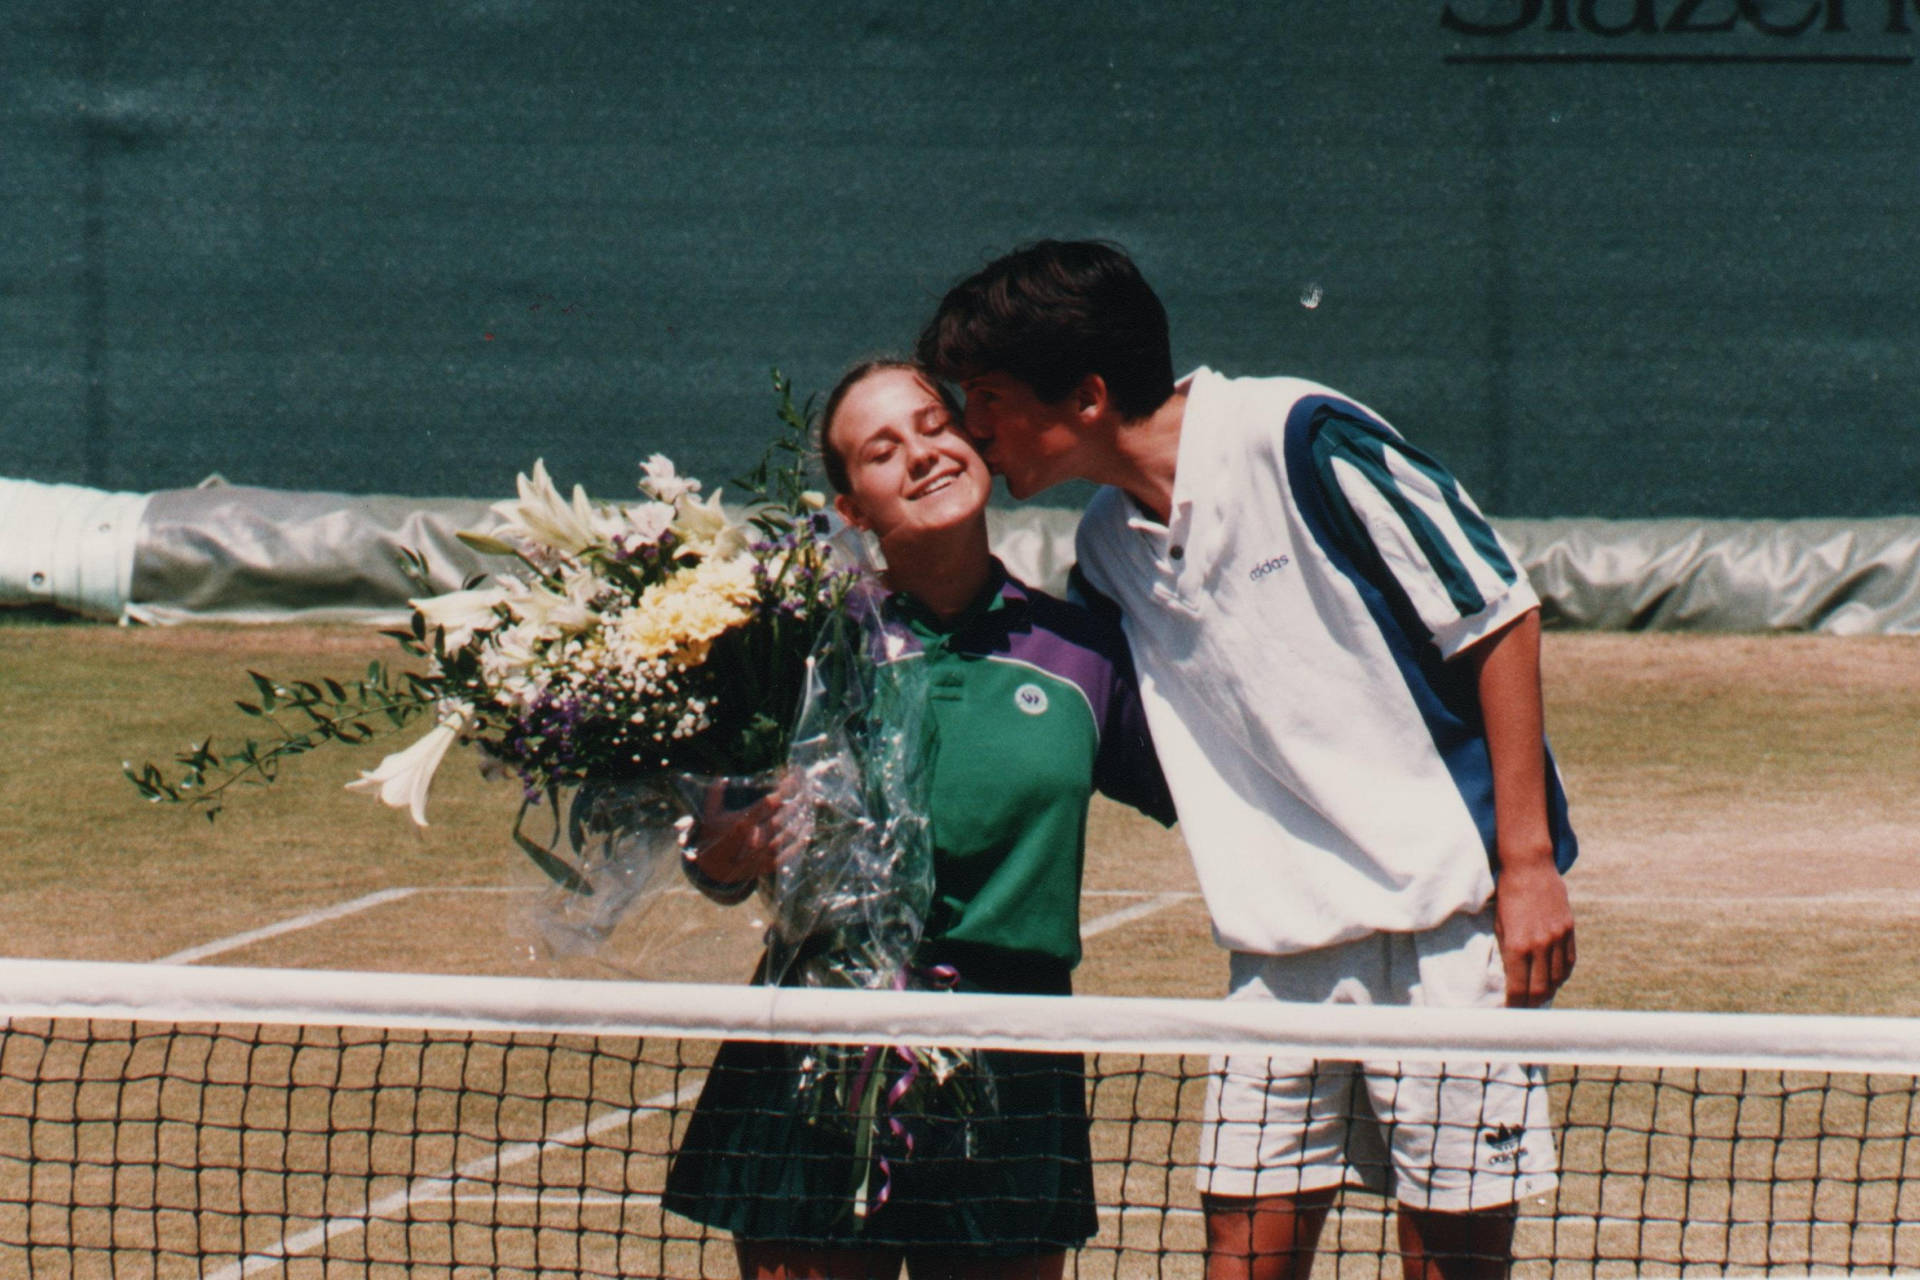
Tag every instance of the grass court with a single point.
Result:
(1748, 827)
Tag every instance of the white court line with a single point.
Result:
(419, 1189)
(482, 888)
(1889, 897)
(369, 901)
(1093, 928)
(442, 1187)
(292, 925)
(1127, 915)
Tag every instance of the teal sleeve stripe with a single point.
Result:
(1480, 534)
(1351, 442)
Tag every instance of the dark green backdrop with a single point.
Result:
(1621, 270)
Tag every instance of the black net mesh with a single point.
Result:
(142, 1149)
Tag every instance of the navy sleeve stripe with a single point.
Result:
(1365, 453)
(1485, 541)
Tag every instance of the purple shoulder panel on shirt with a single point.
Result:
(1070, 642)
(1067, 641)
(1089, 649)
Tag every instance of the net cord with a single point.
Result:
(1117, 1024)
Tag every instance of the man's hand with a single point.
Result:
(1534, 923)
(1532, 917)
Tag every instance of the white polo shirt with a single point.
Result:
(1291, 626)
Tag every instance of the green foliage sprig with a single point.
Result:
(304, 715)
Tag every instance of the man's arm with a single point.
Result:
(1532, 916)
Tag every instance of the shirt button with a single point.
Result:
(1177, 551)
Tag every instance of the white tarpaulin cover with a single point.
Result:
(234, 553)
(1844, 577)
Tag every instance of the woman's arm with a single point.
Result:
(727, 850)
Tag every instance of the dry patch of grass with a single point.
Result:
(1740, 765)
(1749, 823)
(1748, 817)
(92, 871)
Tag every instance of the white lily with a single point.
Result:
(549, 613)
(461, 613)
(402, 779)
(707, 529)
(658, 477)
(648, 522)
(510, 663)
(541, 515)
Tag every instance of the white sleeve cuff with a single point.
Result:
(1508, 608)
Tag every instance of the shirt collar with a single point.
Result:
(1001, 595)
(1186, 462)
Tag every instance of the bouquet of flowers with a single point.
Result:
(619, 644)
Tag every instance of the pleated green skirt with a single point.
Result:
(996, 1163)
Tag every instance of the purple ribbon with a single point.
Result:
(940, 977)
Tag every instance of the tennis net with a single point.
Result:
(174, 1121)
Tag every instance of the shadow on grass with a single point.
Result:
(43, 615)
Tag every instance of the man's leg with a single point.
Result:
(1265, 1237)
(1051, 1265)
(1277, 1134)
(1456, 1246)
(776, 1260)
(1469, 1139)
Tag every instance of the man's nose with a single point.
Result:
(974, 422)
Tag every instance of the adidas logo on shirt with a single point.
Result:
(1268, 567)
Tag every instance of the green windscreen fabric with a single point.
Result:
(1618, 258)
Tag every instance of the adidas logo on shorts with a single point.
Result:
(1504, 1142)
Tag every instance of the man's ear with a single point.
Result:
(850, 511)
(1090, 399)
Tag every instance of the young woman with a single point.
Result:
(1034, 707)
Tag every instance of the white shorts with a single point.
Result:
(1450, 1136)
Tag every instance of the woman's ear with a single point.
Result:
(850, 511)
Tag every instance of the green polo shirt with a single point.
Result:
(1034, 706)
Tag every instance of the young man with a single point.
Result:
(1341, 668)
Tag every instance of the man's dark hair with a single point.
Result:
(831, 460)
(1049, 314)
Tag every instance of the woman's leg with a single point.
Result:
(780, 1260)
(1034, 1266)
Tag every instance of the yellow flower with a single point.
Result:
(681, 617)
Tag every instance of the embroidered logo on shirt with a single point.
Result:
(1030, 698)
(1267, 567)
